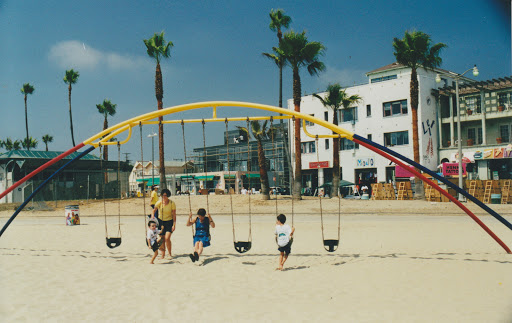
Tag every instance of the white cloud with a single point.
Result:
(76, 54)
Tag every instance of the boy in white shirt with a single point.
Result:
(284, 238)
(154, 240)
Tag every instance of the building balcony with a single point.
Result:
(491, 113)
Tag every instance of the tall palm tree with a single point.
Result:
(106, 108)
(261, 132)
(279, 20)
(158, 48)
(29, 142)
(298, 52)
(26, 90)
(416, 50)
(71, 77)
(336, 99)
(46, 139)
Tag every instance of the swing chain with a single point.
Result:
(248, 170)
(229, 177)
(186, 171)
(205, 170)
(272, 130)
(119, 189)
(142, 163)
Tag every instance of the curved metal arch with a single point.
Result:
(145, 118)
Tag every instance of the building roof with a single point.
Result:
(396, 65)
(476, 87)
(40, 154)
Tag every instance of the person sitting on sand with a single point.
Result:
(284, 234)
(167, 214)
(154, 239)
(202, 235)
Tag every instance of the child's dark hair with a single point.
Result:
(151, 221)
(201, 212)
(281, 218)
(167, 192)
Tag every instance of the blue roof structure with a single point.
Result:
(40, 154)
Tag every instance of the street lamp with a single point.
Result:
(152, 136)
(459, 135)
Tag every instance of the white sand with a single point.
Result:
(399, 261)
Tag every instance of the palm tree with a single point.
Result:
(71, 77)
(336, 99)
(260, 133)
(29, 142)
(279, 20)
(9, 144)
(298, 52)
(46, 139)
(106, 108)
(417, 50)
(158, 48)
(26, 90)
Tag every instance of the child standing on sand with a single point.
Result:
(153, 238)
(284, 236)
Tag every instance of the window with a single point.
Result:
(395, 108)
(326, 116)
(347, 115)
(326, 144)
(308, 123)
(503, 99)
(346, 144)
(307, 147)
(473, 103)
(369, 137)
(368, 110)
(396, 138)
(383, 78)
(505, 133)
(476, 135)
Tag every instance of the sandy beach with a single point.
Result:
(399, 261)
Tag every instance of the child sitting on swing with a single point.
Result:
(154, 239)
(284, 236)
(202, 235)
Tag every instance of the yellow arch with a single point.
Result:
(104, 136)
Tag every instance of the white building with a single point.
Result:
(383, 116)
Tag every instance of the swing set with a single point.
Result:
(103, 139)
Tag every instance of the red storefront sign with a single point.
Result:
(403, 172)
(322, 164)
(450, 169)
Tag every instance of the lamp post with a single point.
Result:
(459, 132)
(152, 136)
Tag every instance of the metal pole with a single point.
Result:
(459, 137)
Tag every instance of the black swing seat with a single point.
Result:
(113, 242)
(331, 245)
(242, 246)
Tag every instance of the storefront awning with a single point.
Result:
(149, 181)
(252, 175)
(202, 178)
(229, 176)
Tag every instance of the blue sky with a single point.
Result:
(216, 55)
